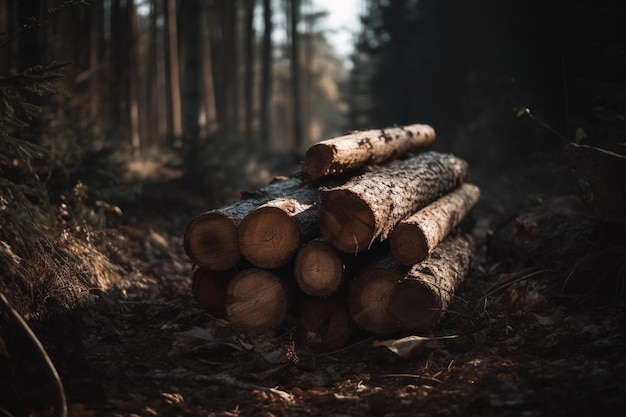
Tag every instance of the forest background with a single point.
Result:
(103, 102)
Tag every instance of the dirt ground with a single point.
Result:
(513, 343)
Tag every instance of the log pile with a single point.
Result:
(367, 235)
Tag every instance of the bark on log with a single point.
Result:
(325, 323)
(419, 300)
(368, 296)
(210, 239)
(270, 235)
(352, 216)
(209, 289)
(256, 300)
(343, 153)
(416, 236)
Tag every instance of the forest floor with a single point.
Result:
(511, 344)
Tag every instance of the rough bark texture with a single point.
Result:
(319, 268)
(270, 235)
(209, 289)
(420, 299)
(325, 323)
(352, 216)
(415, 237)
(256, 300)
(343, 153)
(210, 239)
(368, 296)
(602, 173)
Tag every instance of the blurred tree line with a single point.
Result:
(500, 81)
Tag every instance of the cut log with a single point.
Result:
(419, 300)
(256, 300)
(270, 235)
(325, 323)
(352, 216)
(319, 268)
(368, 296)
(343, 153)
(210, 239)
(209, 289)
(415, 237)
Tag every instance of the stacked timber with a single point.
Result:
(365, 236)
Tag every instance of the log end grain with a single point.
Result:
(408, 244)
(209, 289)
(415, 306)
(368, 300)
(346, 221)
(268, 237)
(256, 299)
(325, 323)
(318, 269)
(318, 161)
(210, 240)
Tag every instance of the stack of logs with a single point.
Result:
(366, 234)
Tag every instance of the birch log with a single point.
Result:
(210, 239)
(419, 300)
(352, 216)
(416, 236)
(343, 153)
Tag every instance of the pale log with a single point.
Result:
(416, 236)
(210, 239)
(325, 323)
(368, 296)
(270, 235)
(366, 208)
(256, 300)
(420, 299)
(209, 289)
(377, 146)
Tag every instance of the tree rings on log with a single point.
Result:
(209, 289)
(210, 239)
(419, 300)
(343, 153)
(325, 323)
(270, 235)
(415, 237)
(256, 299)
(318, 268)
(353, 215)
(369, 297)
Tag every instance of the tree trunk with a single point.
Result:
(134, 93)
(256, 300)
(266, 74)
(352, 216)
(371, 146)
(210, 239)
(295, 73)
(270, 235)
(368, 296)
(415, 237)
(209, 289)
(191, 13)
(174, 72)
(419, 301)
(325, 323)
(249, 66)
